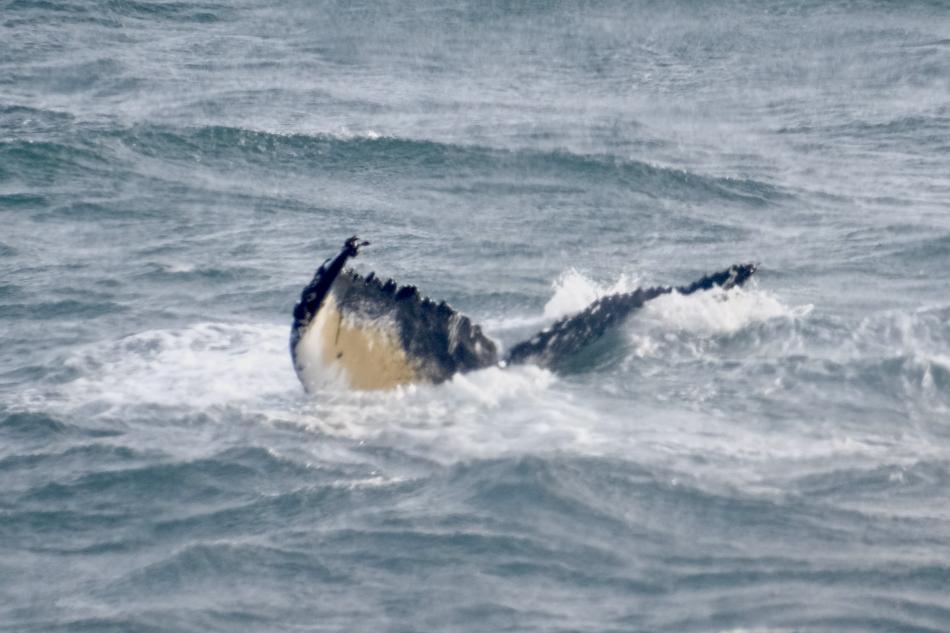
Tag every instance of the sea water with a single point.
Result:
(772, 458)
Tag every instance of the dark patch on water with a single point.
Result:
(30, 122)
(15, 201)
(185, 12)
(28, 425)
(59, 310)
(383, 155)
(43, 164)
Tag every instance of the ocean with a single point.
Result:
(770, 459)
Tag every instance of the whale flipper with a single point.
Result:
(379, 335)
(572, 333)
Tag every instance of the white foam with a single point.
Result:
(200, 366)
(571, 292)
(340, 132)
(347, 133)
(179, 267)
(483, 413)
(719, 311)
(942, 360)
(574, 291)
(213, 368)
(714, 311)
(742, 630)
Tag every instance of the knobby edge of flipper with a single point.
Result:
(316, 292)
(572, 333)
(438, 340)
(430, 341)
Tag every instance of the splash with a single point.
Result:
(571, 292)
(484, 413)
(200, 366)
(715, 311)
(720, 311)
(574, 291)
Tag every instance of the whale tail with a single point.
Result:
(379, 334)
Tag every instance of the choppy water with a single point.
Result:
(775, 459)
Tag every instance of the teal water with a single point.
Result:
(775, 458)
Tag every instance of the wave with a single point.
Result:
(885, 489)
(35, 120)
(22, 427)
(916, 126)
(113, 13)
(18, 200)
(52, 175)
(209, 480)
(40, 162)
(608, 529)
(187, 12)
(56, 310)
(346, 153)
(201, 366)
(30, 425)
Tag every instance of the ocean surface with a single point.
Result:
(769, 459)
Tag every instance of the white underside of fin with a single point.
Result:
(364, 353)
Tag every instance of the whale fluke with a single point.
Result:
(379, 334)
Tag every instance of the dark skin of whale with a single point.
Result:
(443, 342)
(440, 340)
(571, 334)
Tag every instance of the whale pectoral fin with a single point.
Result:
(436, 340)
(367, 352)
(571, 334)
(735, 275)
(312, 299)
(315, 292)
(380, 334)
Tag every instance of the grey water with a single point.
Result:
(771, 459)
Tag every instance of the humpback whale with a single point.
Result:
(377, 334)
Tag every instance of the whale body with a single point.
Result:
(377, 335)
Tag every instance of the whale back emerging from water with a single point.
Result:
(378, 335)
